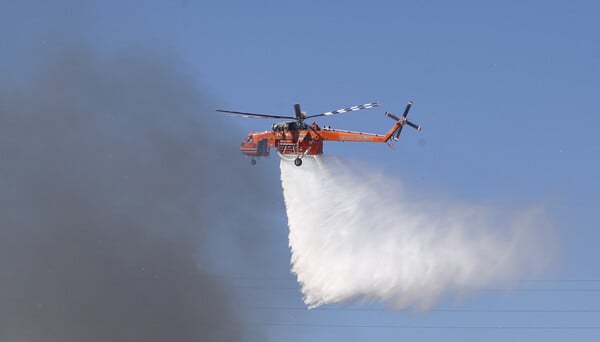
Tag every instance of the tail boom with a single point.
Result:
(393, 133)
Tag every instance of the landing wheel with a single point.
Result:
(253, 162)
(297, 161)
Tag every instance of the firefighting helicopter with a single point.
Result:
(296, 139)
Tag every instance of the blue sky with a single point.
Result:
(506, 92)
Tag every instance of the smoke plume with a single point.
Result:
(113, 178)
(355, 235)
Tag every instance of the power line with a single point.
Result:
(292, 277)
(295, 308)
(295, 288)
(561, 281)
(432, 327)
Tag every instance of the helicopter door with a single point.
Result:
(263, 150)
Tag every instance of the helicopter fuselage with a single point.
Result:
(289, 138)
(295, 139)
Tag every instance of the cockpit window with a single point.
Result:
(248, 139)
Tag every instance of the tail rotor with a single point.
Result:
(404, 121)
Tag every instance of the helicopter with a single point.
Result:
(295, 139)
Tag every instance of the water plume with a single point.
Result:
(356, 235)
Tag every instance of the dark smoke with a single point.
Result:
(114, 175)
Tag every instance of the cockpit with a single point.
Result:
(247, 140)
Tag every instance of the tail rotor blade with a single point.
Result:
(390, 115)
(407, 109)
(417, 127)
(397, 135)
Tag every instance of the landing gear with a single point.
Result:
(297, 161)
(253, 162)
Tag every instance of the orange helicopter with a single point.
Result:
(296, 139)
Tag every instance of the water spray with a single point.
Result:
(355, 235)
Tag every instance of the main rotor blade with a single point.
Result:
(345, 110)
(299, 115)
(254, 115)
